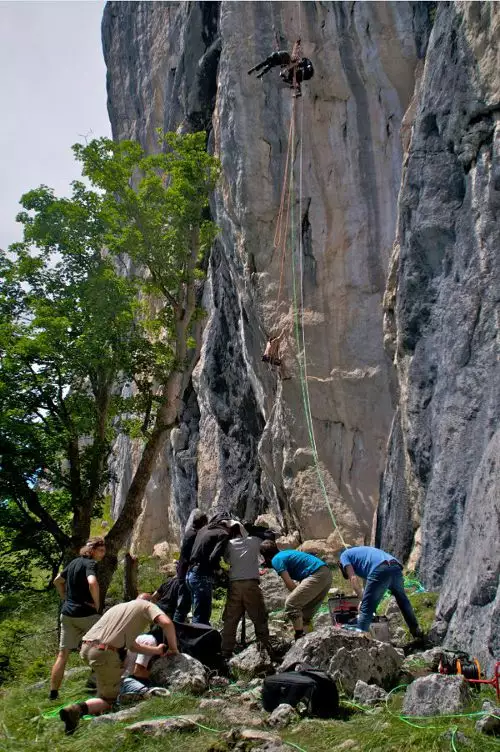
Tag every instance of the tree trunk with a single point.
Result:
(130, 591)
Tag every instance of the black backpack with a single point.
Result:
(315, 688)
(198, 640)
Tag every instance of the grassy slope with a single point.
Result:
(23, 727)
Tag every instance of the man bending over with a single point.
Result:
(105, 644)
(381, 571)
(314, 581)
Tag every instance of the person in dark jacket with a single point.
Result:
(280, 57)
(294, 75)
(197, 519)
(208, 549)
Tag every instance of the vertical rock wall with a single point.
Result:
(442, 480)
(244, 440)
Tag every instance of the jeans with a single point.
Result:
(201, 587)
(183, 602)
(132, 686)
(386, 577)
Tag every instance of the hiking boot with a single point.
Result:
(70, 717)
(298, 634)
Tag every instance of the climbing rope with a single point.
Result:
(298, 279)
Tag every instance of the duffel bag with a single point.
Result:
(315, 688)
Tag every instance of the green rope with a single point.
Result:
(296, 746)
(300, 354)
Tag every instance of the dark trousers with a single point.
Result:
(183, 602)
(385, 577)
(201, 587)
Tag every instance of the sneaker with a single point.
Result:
(70, 717)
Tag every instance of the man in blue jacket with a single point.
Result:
(307, 578)
(381, 571)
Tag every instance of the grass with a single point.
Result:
(28, 642)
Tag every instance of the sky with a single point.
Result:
(52, 95)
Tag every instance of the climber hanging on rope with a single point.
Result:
(294, 67)
(272, 351)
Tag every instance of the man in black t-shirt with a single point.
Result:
(78, 587)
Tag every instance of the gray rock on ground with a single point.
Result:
(273, 590)
(368, 694)
(490, 723)
(347, 657)
(161, 726)
(437, 695)
(251, 663)
(121, 715)
(180, 673)
(282, 716)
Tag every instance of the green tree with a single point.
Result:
(99, 332)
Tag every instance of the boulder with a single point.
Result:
(490, 722)
(251, 663)
(161, 726)
(436, 695)
(292, 540)
(421, 664)
(322, 619)
(368, 694)
(347, 657)
(273, 590)
(282, 716)
(319, 548)
(164, 551)
(180, 673)
(268, 520)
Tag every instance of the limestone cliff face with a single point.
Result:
(243, 441)
(442, 482)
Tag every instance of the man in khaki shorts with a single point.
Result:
(105, 644)
(79, 589)
(313, 576)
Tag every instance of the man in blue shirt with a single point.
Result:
(381, 572)
(314, 580)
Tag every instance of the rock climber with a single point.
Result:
(294, 68)
(314, 581)
(104, 647)
(271, 353)
(381, 571)
(294, 75)
(78, 587)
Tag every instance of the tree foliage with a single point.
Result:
(98, 325)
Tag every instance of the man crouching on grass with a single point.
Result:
(104, 645)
